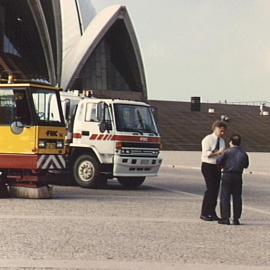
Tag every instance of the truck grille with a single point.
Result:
(141, 145)
(140, 150)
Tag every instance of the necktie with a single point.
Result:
(217, 145)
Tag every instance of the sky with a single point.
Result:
(215, 49)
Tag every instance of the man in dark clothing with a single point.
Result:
(233, 162)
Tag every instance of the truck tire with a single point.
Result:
(4, 191)
(86, 171)
(131, 182)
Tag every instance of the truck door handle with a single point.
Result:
(85, 133)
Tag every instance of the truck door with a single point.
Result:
(17, 134)
(91, 133)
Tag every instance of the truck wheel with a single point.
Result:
(131, 182)
(86, 171)
(4, 190)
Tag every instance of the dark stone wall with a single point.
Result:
(182, 129)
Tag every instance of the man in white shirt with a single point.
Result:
(213, 146)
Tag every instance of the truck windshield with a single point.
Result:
(134, 118)
(14, 106)
(46, 105)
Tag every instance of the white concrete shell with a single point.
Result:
(70, 26)
(75, 16)
(78, 48)
(70, 31)
(42, 27)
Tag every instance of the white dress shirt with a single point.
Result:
(208, 145)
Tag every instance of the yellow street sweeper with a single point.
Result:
(32, 134)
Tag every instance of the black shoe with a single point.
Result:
(216, 218)
(206, 218)
(236, 222)
(224, 222)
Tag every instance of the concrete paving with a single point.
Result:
(154, 227)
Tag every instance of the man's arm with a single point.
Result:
(221, 160)
(216, 154)
(246, 161)
(207, 149)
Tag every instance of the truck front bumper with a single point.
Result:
(32, 162)
(136, 166)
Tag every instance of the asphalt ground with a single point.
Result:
(154, 227)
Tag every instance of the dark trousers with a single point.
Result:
(231, 185)
(211, 174)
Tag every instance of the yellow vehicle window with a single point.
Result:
(14, 107)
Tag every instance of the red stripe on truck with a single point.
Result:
(135, 139)
(124, 138)
(77, 135)
(16, 161)
(93, 137)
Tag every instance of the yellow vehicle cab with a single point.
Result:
(32, 130)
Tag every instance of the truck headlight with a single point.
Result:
(125, 151)
(60, 144)
(41, 144)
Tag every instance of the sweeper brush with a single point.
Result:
(44, 192)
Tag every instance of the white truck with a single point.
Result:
(110, 138)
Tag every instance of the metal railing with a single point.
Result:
(248, 103)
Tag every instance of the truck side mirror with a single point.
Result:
(101, 111)
(155, 115)
(153, 110)
(67, 109)
(105, 125)
(17, 127)
(102, 127)
(108, 125)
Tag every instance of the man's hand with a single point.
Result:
(216, 154)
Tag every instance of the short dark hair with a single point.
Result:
(235, 139)
(219, 124)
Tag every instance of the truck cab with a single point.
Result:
(32, 131)
(111, 138)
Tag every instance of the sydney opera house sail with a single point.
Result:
(66, 42)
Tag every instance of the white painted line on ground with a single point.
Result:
(111, 219)
(180, 167)
(178, 191)
(245, 207)
(146, 196)
(196, 168)
(100, 218)
(119, 265)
